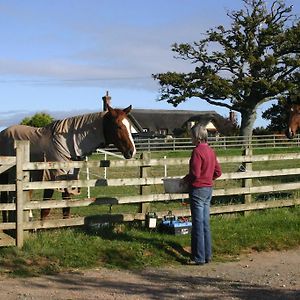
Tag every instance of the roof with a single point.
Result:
(154, 120)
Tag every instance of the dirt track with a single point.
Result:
(271, 275)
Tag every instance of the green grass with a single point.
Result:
(132, 246)
(275, 229)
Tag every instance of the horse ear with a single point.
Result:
(127, 109)
(111, 110)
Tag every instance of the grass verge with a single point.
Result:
(134, 247)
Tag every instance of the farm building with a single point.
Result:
(176, 122)
(154, 123)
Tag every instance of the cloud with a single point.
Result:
(123, 56)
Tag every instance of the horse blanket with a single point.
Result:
(63, 140)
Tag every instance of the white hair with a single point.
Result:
(199, 133)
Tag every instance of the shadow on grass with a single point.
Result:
(143, 244)
(15, 264)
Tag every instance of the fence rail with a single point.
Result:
(231, 183)
(222, 142)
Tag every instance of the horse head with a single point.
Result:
(117, 130)
(294, 120)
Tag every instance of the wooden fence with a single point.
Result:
(239, 178)
(221, 142)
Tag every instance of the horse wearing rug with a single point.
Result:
(65, 140)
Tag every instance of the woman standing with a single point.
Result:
(203, 169)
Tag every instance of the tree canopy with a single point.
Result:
(254, 61)
(38, 120)
(278, 114)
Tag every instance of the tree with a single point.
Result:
(278, 113)
(242, 67)
(261, 131)
(38, 120)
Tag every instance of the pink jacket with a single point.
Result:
(204, 167)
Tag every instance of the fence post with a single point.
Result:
(165, 167)
(22, 155)
(105, 168)
(88, 177)
(144, 189)
(247, 182)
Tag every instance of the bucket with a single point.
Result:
(175, 186)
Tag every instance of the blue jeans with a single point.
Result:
(201, 237)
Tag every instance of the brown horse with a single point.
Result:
(64, 140)
(294, 120)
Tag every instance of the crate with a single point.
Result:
(176, 227)
(175, 186)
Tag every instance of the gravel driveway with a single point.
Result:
(267, 275)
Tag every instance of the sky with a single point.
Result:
(61, 56)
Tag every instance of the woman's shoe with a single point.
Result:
(194, 263)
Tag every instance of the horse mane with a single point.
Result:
(74, 123)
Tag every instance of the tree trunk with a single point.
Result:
(248, 118)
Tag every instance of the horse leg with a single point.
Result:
(66, 210)
(47, 196)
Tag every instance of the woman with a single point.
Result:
(203, 169)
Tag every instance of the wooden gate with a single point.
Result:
(7, 162)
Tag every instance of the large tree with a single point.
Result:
(242, 67)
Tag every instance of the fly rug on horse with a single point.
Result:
(293, 121)
(67, 140)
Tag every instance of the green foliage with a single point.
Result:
(239, 68)
(278, 116)
(278, 113)
(38, 120)
(261, 131)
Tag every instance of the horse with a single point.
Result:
(70, 139)
(294, 121)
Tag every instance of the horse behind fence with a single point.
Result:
(65, 140)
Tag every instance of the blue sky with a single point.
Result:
(61, 56)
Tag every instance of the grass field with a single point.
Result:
(111, 191)
(132, 246)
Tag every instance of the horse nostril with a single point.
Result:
(130, 152)
(127, 154)
(289, 134)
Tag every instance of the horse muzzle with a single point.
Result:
(129, 154)
(289, 134)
